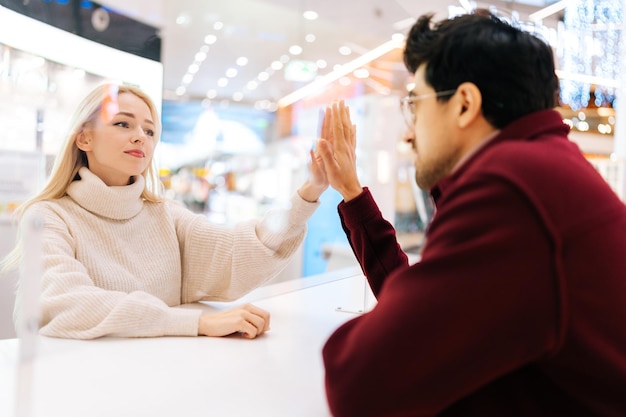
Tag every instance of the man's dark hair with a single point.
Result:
(513, 69)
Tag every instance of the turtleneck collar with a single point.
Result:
(118, 203)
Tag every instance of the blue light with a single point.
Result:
(85, 4)
(63, 2)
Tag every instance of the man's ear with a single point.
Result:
(83, 140)
(471, 104)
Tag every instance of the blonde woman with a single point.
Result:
(119, 259)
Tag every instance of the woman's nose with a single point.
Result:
(139, 137)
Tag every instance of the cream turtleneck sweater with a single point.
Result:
(117, 265)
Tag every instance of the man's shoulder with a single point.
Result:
(544, 153)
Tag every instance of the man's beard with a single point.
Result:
(429, 174)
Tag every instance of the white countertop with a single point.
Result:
(278, 374)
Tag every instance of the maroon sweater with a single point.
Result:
(518, 305)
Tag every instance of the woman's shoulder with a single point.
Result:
(51, 212)
(49, 206)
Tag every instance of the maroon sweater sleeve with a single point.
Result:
(374, 239)
(447, 325)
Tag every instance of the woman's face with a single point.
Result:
(121, 144)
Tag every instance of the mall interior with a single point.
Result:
(240, 86)
(241, 83)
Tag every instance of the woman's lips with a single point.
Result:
(136, 153)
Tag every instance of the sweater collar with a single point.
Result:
(117, 203)
(526, 128)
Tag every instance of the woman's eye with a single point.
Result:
(122, 124)
(149, 132)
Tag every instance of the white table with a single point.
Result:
(278, 374)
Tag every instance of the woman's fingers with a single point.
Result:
(249, 320)
(259, 317)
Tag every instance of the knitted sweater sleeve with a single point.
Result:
(72, 306)
(222, 263)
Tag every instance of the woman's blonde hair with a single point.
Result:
(71, 159)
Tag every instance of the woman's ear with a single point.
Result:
(471, 105)
(83, 140)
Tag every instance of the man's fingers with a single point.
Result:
(345, 118)
(326, 124)
(337, 123)
(353, 136)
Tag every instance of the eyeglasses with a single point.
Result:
(407, 104)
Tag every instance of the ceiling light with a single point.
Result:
(344, 50)
(321, 63)
(323, 81)
(277, 65)
(361, 73)
(222, 82)
(262, 105)
(263, 76)
(310, 38)
(193, 68)
(265, 105)
(300, 71)
(218, 25)
(183, 19)
(399, 37)
(210, 39)
(231, 72)
(252, 85)
(238, 96)
(284, 59)
(180, 90)
(295, 50)
(200, 56)
(242, 61)
(211, 94)
(310, 15)
(187, 79)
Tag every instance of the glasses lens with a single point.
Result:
(407, 111)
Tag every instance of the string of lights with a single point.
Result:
(591, 47)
